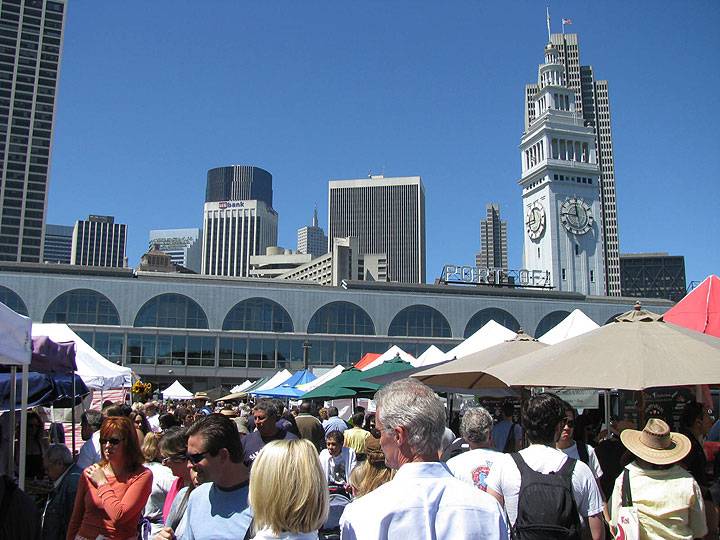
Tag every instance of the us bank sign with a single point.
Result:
(497, 277)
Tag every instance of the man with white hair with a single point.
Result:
(65, 475)
(423, 500)
(474, 466)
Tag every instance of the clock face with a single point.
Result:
(535, 223)
(576, 215)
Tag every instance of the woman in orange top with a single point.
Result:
(112, 494)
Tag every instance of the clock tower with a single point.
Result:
(561, 187)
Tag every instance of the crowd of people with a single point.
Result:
(265, 471)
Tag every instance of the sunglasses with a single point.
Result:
(114, 441)
(196, 458)
(174, 459)
(570, 423)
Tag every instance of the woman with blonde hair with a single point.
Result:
(288, 491)
(373, 472)
(162, 481)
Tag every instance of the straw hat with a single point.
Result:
(656, 443)
(200, 395)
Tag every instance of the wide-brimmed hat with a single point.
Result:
(200, 395)
(228, 412)
(656, 443)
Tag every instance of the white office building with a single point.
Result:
(234, 231)
(183, 245)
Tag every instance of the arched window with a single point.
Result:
(550, 321)
(500, 316)
(341, 318)
(82, 306)
(11, 299)
(258, 314)
(171, 311)
(420, 321)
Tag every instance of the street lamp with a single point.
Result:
(306, 353)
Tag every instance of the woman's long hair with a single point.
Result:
(126, 429)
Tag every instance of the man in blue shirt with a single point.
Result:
(218, 509)
(334, 422)
(266, 417)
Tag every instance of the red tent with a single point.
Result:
(700, 309)
(368, 358)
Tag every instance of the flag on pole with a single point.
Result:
(567, 21)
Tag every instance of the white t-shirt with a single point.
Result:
(90, 451)
(593, 463)
(505, 479)
(474, 466)
(162, 481)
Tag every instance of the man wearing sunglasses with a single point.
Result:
(217, 509)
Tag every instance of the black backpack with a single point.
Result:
(546, 506)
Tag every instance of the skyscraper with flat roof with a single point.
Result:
(593, 104)
(99, 241)
(183, 245)
(31, 35)
(58, 244)
(386, 215)
(312, 239)
(493, 240)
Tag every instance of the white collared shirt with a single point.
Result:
(90, 451)
(424, 501)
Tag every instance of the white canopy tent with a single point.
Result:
(16, 350)
(575, 324)
(489, 335)
(96, 372)
(391, 353)
(274, 381)
(240, 387)
(431, 356)
(325, 377)
(176, 391)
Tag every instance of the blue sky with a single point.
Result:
(153, 94)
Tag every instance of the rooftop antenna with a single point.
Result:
(547, 19)
(315, 217)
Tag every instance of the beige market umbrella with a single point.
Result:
(471, 371)
(638, 351)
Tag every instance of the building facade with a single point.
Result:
(387, 216)
(183, 245)
(212, 330)
(239, 183)
(99, 241)
(312, 239)
(561, 187)
(653, 275)
(592, 102)
(493, 240)
(31, 39)
(57, 247)
(234, 231)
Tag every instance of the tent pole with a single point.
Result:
(72, 419)
(23, 425)
(13, 421)
(606, 395)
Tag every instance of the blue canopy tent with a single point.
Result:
(44, 389)
(288, 389)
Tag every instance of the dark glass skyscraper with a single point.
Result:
(239, 183)
(31, 33)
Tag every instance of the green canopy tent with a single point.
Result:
(344, 385)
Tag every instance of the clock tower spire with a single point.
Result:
(561, 187)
